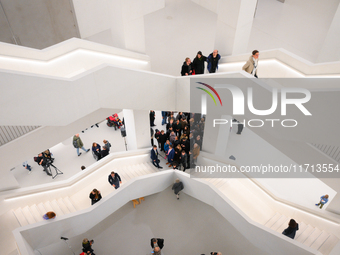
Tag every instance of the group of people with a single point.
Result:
(198, 66)
(97, 151)
(100, 152)
(182, 140)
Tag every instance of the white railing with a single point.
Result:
(290, 64)
(68, 58)
(33, 237)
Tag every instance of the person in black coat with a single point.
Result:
(212, 60)
(96, 149)
(87, 246)
(186, 67)
(158, 133)
(292, 228)
(178, 128)
(162, 139)
(95, 196)
(170, 124)
(104, 152)
(185, 144)
(152, 118)
(157, 242)
(42, 161)
(183, 160)
(114, 179)
(198, 63)
(154, 157)
(177, 187)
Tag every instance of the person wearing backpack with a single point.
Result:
(77, 143)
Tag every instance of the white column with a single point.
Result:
(215, 139)
(137, 126)
(243, 27)
(330, 50)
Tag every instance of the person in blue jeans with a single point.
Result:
(323, 200)
(77, 143)
(164, 117)
(27, 166)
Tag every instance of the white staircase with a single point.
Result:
(34, 213)
(307, 234)
(244, 194)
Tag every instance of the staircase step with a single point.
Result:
(20, 217)
(62, 206)
(136, 171)
(56, 208)
(283, 219)
(132, 171)
(41, 209)
(310, 240)
(302, 227)
(127, 174)
(28, 215)
(321, 239)
(48, 207)
(150, 167)
(328, 245)
(123, 174)
(36, 214)
(272, 220)
(220, 182)
(303, 237)
(140, 170)
(284, 226)
(69, 204)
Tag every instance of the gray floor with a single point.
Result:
(187, 225)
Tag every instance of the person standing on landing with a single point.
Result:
(198, 63)
(186, 67)
(323, 200)
(212, 60)
(251, 65)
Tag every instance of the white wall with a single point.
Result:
(69, 100)
(123, 21)
(297, 26)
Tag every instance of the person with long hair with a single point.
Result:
(49, 215)
(292, 228)
(96, 149)
(95, 196)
